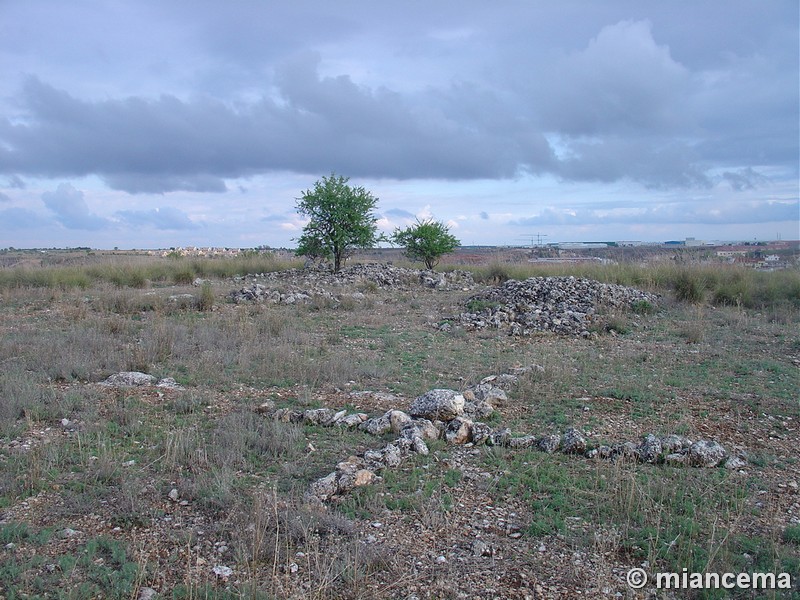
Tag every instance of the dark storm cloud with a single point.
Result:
(165, 217)
(71, 210)
(322, 124)
(655, 163)
(623, 91)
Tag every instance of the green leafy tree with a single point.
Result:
(341, 220)
(426, 241)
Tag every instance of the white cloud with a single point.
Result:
(71, 209)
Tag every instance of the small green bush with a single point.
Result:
(184, 275)
(689, 286)
(206, 301)
(792, 534)
(477, 305)
(643, 307)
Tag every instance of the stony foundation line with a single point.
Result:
(453, 416)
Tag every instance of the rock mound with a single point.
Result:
(563, 305)
(383, 275)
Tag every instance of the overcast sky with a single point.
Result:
(158, 123)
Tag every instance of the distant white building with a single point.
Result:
(691, 242)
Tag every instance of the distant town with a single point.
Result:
(760, 255)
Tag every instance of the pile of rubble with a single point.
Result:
(257, 292)
(316, 282)
(564, 305)
(453, 416)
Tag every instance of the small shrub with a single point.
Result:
(616, 324)
(183, 275)
(477, 305)
(689, 287)
(188, 403)
(206, 301)
(792, 534)
(495, 274)
(643, 307)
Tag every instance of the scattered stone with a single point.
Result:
(318, 416)
(129, 379)
(650, 449)
(477, 409)
(377, 425)
(439, 404)
(323, 488)
(574, 442)
(146, 593)
(486, 392)
(398, 420)
(499, 438)
(480, 548)
(706, 454)
(353, 420)
(526, 441)
(734, 462)
(674, 443)
(480, 432)
(265, 408)
(173, 495)
(419, 446)
(222, 572)
(675, 459)
(351, 474)
(549, 443)
(422, 428)
(459, 431)
(504, 381)
(288, 415)
(169, 383)
(626, 451)
(68, 533)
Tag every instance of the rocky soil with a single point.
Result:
(353, 527)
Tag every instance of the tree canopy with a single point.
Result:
(341, 219)
(426, 241)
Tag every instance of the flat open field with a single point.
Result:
(192, 491)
